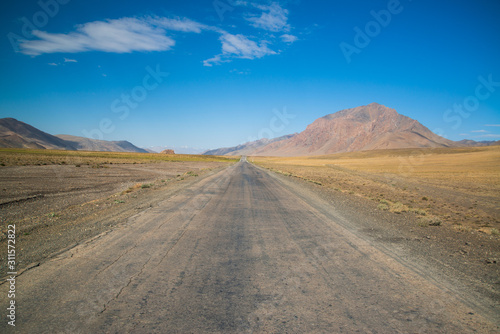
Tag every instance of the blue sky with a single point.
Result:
(209, 74)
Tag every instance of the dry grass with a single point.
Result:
(431, 221)
(131, 189)
(471, 165)
(27, 157)
(456, 185)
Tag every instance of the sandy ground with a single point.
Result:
(57, 206)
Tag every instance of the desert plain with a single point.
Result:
(434, 211)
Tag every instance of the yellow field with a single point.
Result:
(22, 157)
(460, 186)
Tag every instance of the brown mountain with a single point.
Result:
(368, 127)
(16, 134)
(363, 128)
(87, 144)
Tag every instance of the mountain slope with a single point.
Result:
(247, 148)
(363, 128)
(86, 144)
(14, 133)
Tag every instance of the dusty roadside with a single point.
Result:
(58, 206)
(464, 263)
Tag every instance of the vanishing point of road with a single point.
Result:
(240, 251)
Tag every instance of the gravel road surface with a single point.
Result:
(238, 252)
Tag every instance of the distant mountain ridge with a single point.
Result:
(86, 144)
(369, 127)
(246, 148)
(17, 134)
(473, 143)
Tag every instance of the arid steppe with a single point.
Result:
(59, 198)
(151, 242)
(452, 187)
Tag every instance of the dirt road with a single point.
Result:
(239, 251)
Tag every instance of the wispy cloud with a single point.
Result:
(245, 72)
(479, 131)
(489, 135)
(242, 47)
(216, 60)
(273, 18)
(239, 46)
(288, 38)
(492, 125)
(120, 36)
(154, 33)
(178, 24)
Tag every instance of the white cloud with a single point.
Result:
(242, 47)
(492, 125)
(214, 60)
(239, 46)
(289, 38)
(479, 131)
(245, 72)
(274, 18)
(179, 24)
(53, 64)
(67, 60)
(148, 34)
(120, 36)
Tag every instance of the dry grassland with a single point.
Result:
(28, 157)
(458, 187)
